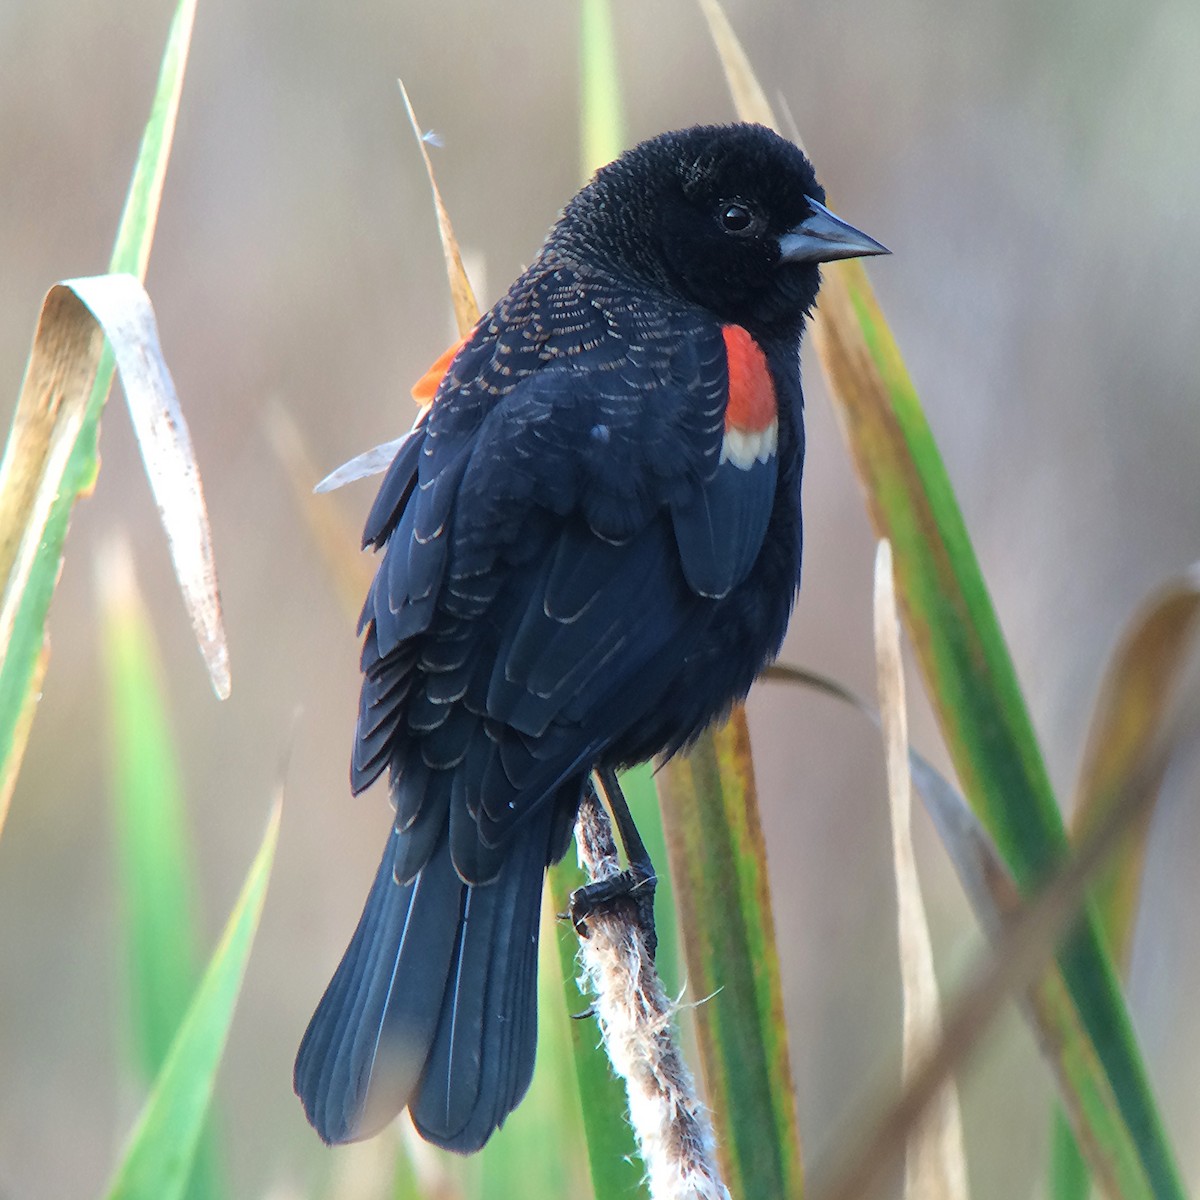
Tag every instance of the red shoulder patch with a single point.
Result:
(752, 405)
(424, 390)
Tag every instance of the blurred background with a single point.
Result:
(1028, 164)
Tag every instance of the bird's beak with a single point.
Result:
(824, 237)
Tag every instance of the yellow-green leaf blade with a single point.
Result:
(719, 871)
(613, 1162)
(1134, 697)
(602, 123)
(158, 1157)
(155, 873)
(24, 648)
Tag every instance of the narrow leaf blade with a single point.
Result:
(936, 1167)
(159, 1154)
(613, 1163)
(719, 871)
(466, 307)
(155, 872)
(602, 123)
(1134, 698)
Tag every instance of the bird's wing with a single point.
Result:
(551, 559)
(719, 526)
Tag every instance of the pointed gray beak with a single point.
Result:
(824, 237)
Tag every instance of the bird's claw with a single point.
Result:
(634, 888)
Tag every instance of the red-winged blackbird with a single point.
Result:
(591, 547)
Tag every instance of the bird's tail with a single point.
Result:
(434, 1005)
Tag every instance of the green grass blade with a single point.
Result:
(602, 122)
(135, 233)
(154, 868)
(130, 254)
(642, 795)
(158, 1157)
(616, 1170)
(718, 864)
(1069, 1176)
(971, 681)
(405, 1185)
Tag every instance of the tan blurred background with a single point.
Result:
(1034, 169)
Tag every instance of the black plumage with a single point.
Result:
(590, 548)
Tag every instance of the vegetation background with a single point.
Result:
(1030, 168)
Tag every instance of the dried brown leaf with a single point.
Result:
(466, 308)
(749, 99)
(1137, 687)
(50, 409)
(77, 315)
(936, 1167)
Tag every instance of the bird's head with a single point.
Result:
(729, 217)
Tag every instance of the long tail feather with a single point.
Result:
(434, 1004)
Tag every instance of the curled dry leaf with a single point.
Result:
(121, 306)
(50, 456)
(76, 316)
(49, 415)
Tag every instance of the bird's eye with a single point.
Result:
(737, 218)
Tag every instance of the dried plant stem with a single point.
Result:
(636, 1020)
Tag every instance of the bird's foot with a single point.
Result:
(631, 890)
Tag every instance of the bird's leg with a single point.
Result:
(635, 885)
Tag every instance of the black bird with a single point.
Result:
(590, 548)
